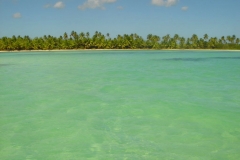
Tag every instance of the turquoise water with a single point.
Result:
(120, 105)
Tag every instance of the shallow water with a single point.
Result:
(120, 105)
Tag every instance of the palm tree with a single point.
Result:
(229, 39)
(223, 39)
(35, 43)
(212, 43)
(65, 36)
(165, 42)
(149, 36)
(205, 37)
(87, 34)
(182, 42)
(82, 40)
(72, 34)
(188, 44)
(194, 40)
(132, 41)
(201, 43)
(172, 43)
(233, 38)
(237, 41)
(176, 38)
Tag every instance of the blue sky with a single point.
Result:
(160, 17)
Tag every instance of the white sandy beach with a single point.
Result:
(62, 50)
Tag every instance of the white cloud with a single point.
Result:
(166, 3)
(184, 8)
(47, 6)
(17, 15)
(92, 4)
(59, 5)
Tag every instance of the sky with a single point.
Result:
(160, 17)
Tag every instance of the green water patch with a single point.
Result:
(120, 105)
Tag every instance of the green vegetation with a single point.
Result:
(132, 41)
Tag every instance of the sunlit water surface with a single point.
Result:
(120, 105)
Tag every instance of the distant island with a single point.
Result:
(126, 41)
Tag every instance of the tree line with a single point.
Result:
(126, 41)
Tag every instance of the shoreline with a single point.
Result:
(62, 50)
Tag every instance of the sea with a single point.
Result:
(123, 105)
